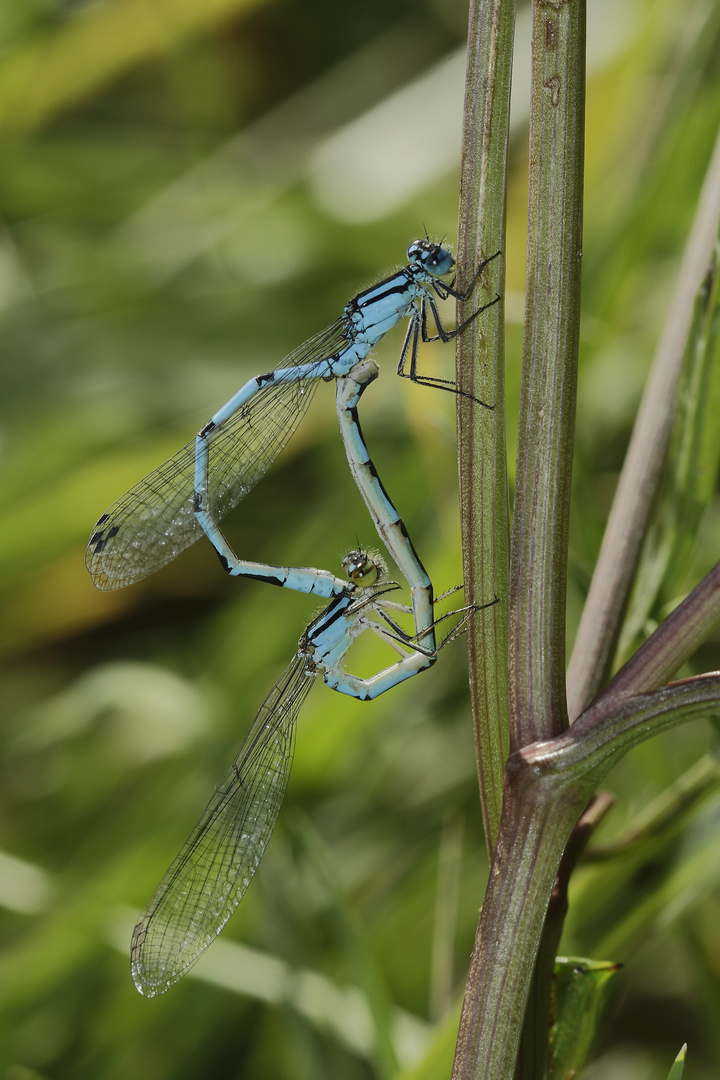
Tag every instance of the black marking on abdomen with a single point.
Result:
(369, 465)
(210, 426)
(330, 361)
(405, 533)
(266, 378)
(270, 580)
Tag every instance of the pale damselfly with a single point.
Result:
(207, 880)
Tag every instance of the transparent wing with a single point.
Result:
(154, 521)
(207, 880)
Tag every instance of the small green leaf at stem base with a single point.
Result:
(576, 992)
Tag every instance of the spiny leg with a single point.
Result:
(370, 615)
(329, 661)
(444, 290)
(417, 330)
(443, 334)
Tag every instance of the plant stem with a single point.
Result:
(535, 825)
(534, 829)
(533, 1057)
(612, 725)
(480, 372)
(674, 641)
(546, 787)
(538, 555)
(620, 551)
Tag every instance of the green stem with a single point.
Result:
(674, 641)
(480, 372)
(532, 833)
(534, 829)
(538, 555)
(546, 787)
(615, 569)
(533, 1057)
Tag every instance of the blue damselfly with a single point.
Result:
(187, 495)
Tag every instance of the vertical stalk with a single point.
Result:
(537, 820)
(535, 823)
(615, 569)
(533, 1057)
(538, 554)
(480, 372)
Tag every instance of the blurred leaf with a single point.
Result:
(55, 71)
(692, 468)
(676, 1070)
(615, 909)
(437, 1061)
(669, 812)
(364, 970)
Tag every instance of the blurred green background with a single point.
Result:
(189, 189)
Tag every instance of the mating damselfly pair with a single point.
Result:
(187, 496)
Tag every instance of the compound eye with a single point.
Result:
(361, 568)
(367, 574)
(442, 262)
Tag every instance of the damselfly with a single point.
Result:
(171, 507)
(207, 880)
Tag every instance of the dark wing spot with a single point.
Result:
(99, 540)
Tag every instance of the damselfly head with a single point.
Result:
(434, 259)
(364, 568)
